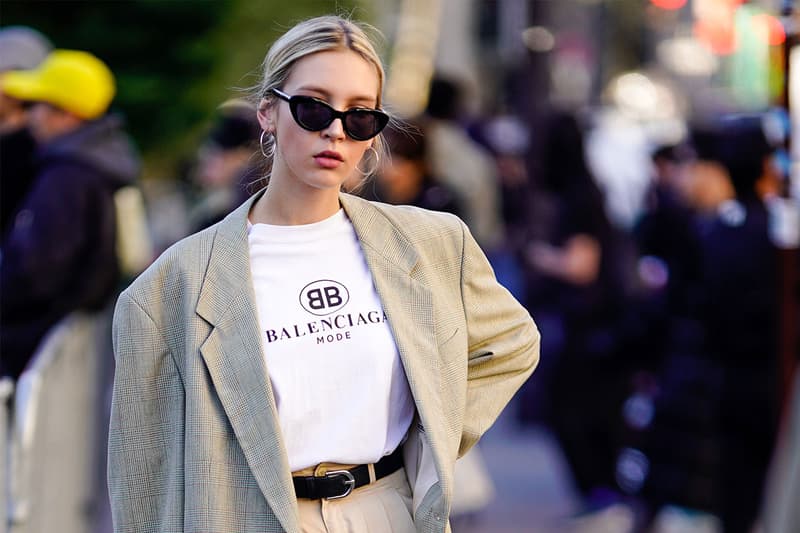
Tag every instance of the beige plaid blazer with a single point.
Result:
(195, 443)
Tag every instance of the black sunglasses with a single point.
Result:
(313, 114)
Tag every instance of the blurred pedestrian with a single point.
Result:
(575, 285)
(226, 163)
(21, 48)
(462, 164)
(60, 255)
(738, 311)
(717, 400)
(509, 141)
(314, 361)
(507, 138)
(405, 178)
(672, 391)
(668, 253)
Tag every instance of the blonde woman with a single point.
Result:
(313, 362)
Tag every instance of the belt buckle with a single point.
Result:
(350, 482)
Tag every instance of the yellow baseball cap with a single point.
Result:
(72, 80)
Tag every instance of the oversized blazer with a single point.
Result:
(195, 443)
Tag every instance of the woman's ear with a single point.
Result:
(266, 115)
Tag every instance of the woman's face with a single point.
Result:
(320, 159)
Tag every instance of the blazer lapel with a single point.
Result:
(237, 367)
(408, 304)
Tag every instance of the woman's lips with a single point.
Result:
(329, 159)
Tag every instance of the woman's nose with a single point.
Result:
(335, 130)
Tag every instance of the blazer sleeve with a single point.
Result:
(145, 450)
(503, 343)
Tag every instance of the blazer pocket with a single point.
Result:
(453, 346)
(449, 338)
(480, 357)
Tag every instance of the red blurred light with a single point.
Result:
(669, 4)
(770, 28)
(720, 37)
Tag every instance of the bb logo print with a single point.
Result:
(324, 296)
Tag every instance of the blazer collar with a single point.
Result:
(233, 350)
(378, 234)
(228, 274)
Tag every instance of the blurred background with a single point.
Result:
(631, 170)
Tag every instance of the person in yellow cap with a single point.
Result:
(69, 87)
(21, 47)
(60, 252)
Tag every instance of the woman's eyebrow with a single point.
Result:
(359, 99)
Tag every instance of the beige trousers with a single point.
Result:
(383, 506)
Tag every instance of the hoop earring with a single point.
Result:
(261, 144)
(375, 167)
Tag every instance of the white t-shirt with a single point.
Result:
(340, 387)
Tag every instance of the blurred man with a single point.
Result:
(21, 48)
(226, 167)
(719, 390)
(60, 254)
(739, 312)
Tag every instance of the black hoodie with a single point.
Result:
(60, 254)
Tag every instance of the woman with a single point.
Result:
(575, 281)
(313, 362)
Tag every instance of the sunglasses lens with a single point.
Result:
(313, 115)
(363, 125)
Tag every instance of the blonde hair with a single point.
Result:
(319, 34)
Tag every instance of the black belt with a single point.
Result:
(339, 483)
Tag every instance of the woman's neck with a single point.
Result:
(281, 206)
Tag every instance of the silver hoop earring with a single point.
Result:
(375, 167)
(261, 144)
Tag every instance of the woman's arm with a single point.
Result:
(577, 262)
(503, 343)
(145, 449)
